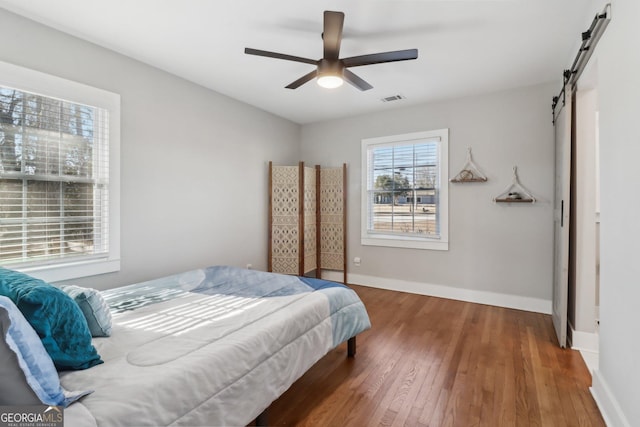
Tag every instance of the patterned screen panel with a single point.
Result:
(285, 228)
(310, 220)
(331, 219)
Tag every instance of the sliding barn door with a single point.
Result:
(562, 213)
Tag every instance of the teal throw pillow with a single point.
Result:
(55, 317)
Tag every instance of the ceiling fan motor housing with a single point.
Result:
(330, 68)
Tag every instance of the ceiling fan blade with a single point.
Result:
(377, 58)
(268, 54)
(356, 81)
(332, 33)
(302, 80)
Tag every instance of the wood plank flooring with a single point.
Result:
(435, 362)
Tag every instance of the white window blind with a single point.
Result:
(399, 176)
(404, 199)
(54, 179)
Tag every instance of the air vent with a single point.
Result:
(392, 98)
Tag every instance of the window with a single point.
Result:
(404, 197)
(59, 190)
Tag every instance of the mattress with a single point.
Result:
(210, 347)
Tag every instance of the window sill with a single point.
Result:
(75, 270)
(394, 242)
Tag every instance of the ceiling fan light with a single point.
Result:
(330, 81)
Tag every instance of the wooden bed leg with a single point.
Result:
(262, 419)
(351, 347)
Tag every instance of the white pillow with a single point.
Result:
(94, 308)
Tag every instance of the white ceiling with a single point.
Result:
(465, 47)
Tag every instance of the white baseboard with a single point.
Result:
(584, 341)
(442, 291)
(587, 343)
(607, 403)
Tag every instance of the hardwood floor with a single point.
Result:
(435, 362)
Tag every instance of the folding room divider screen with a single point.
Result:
(307, 219)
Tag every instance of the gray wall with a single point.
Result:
(193, 162)
(617, 380)
(493, 248)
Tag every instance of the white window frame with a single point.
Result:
(28, 80)
(441, 242)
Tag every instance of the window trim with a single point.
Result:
(28, 80)
(368, 238)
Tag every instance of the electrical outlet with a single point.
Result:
(249, 266)
(356, 261)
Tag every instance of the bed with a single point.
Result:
(214, 346)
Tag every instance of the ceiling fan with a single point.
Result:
(330, 69)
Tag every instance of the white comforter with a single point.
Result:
(203, 358)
